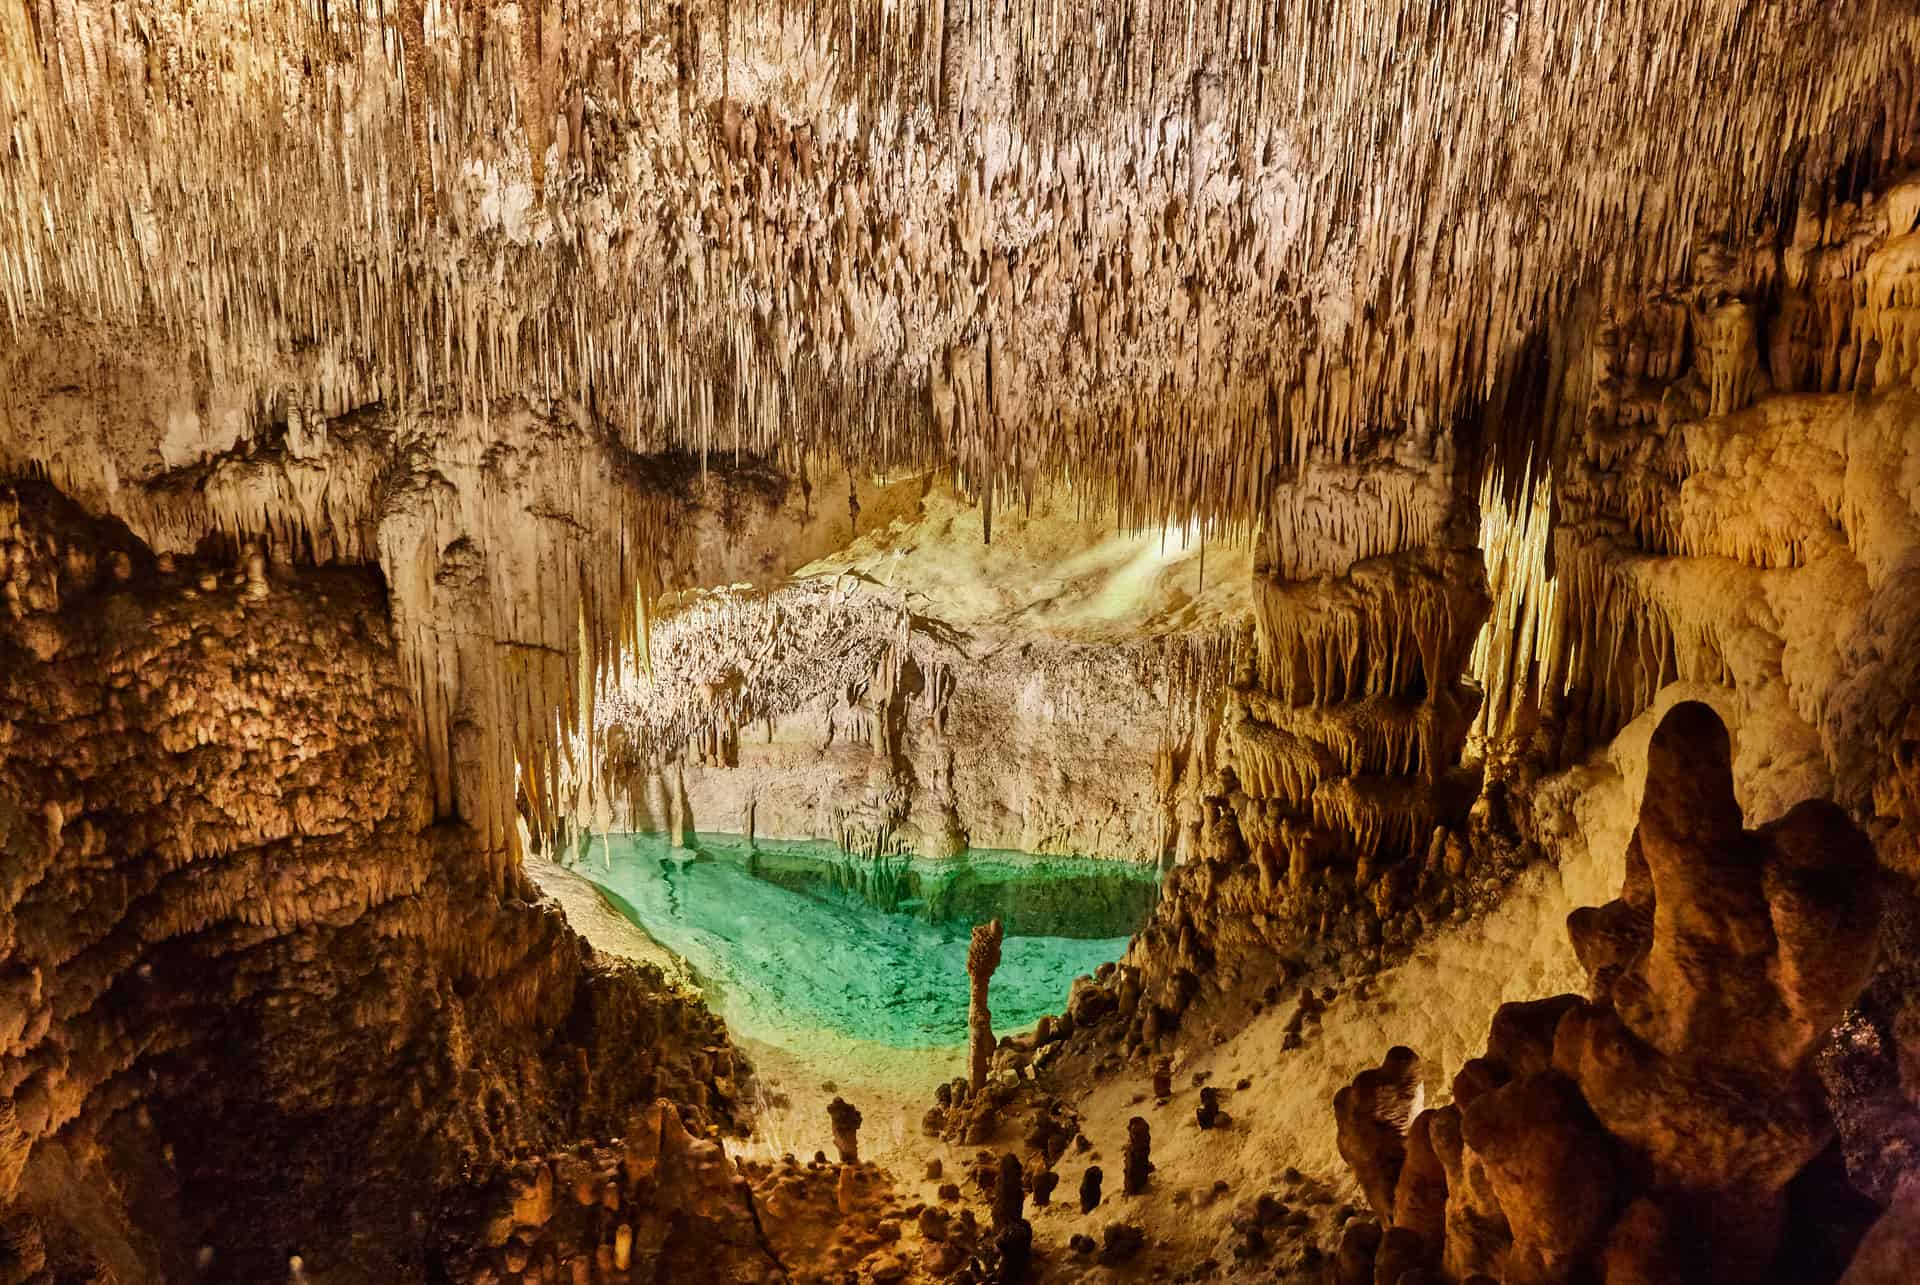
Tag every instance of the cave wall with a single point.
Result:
(1682, 534)
(1039, 748)
(259, 1002)
(514, 541)
(1737, 500)
(894, 733)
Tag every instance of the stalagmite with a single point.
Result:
(983, 956)
(845, 1119)
(1009, 1195)
(1090, 1189)
(1138, 1165)
(256, 574)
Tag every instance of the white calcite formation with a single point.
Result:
(832, 708)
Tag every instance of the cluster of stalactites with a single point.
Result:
(1514, 658)
(847, 664)
(1683, 447)
(1832, 305)
(720, 663)
(1353, 708)
(716, 229)
(1627, 634)
(1394, 626)
(506, 635)
(1336, 515)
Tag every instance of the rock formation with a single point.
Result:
(1374, 1114)
(1651, 1131)
(845, 1119)
(662, 1206)
(983, 956)
(220, 857)
(1090, 1189)
(1009, 1193)
(1138, 1165)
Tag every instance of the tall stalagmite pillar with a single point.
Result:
(983, 956)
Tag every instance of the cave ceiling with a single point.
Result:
(481, 293)
(1167, 251)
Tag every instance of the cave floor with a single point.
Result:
(1185, 1218)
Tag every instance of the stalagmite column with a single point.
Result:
(257, 573)
(1138, 1166)
(847, 1195)
(1009, 1195)
(682, 809)
(846, 1129)
(983, 956)
(1090, 1189)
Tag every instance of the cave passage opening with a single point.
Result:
(802, 946)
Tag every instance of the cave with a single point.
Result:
(860, 643)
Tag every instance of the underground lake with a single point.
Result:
(791, 940)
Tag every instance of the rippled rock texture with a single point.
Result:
(256, 1003)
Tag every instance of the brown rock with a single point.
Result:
(1009, 1196)
(1359, 1243)
(1372, 1117)
(845, 1119)
(1750, 945)
(1420, 1196)
(1090, 1189)
(1138, 1165)
(1551, 1167)
(983, 956)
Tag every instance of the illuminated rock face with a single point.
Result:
(1651, 1130)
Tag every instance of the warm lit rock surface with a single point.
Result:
(660, 1206)
(256, 1001)
(1655, 1127)
(1206, 264)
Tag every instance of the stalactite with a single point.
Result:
(371, 144)
(335, 208)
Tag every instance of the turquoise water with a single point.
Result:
(790, 938)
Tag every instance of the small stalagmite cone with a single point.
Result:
(642, 1150)
(623, 1247)
(516, 1255)
(256, 573)
(847, 1196)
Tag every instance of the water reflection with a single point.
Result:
(794, 940)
